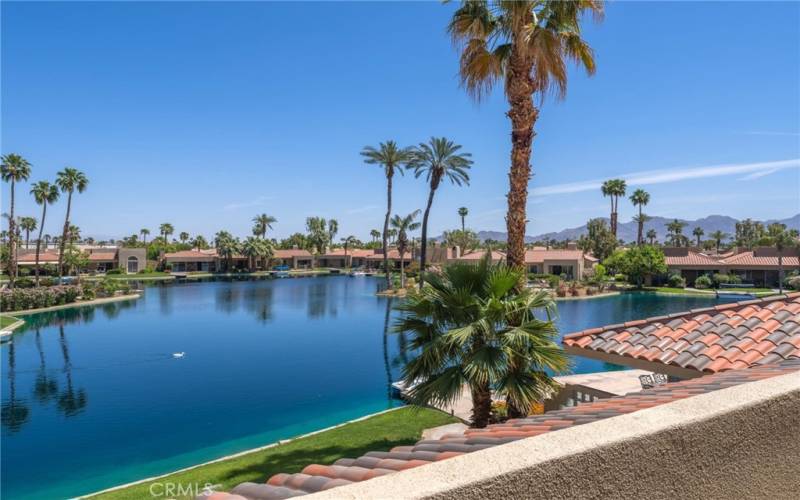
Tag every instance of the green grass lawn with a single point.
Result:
(760, 292)
(133, 277)
(378, 433)
(6, 320)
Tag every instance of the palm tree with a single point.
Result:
(27, 224)
(782, 240)
(13, 169)
(263, 222)
(698, 233)
(640, 198)
(438, 159)
(718, 236)
(166, 230)
(226, 246)
(463, 212)
(68, 180)
(526, 43)
(675, 232)
(199, 242)
(145, 233)
(184, 237)
(614, 188)
(471, 325)
(651, 236)
(404, 225)
(255, 249)
(375, 234)
(346, 242)
(44, 194)
(393, 235)
(391, 158)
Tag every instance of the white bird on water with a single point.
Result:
(179, 354)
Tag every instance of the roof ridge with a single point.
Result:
(654, 319)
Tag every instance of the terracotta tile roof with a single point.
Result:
(314, 478)
(539, 256)
(192, 255)
(713, 339)
(102, 256)
(692, 259)
(353, 252)
(750, 259)
(43, 257)
(292, 252)
(392, 253)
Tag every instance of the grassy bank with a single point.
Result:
(381, 432)
(759, 292)
(6, 320)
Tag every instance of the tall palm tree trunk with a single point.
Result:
(402, 271)
(481, 405)
(39, 242)
(640, 235)
(424, 244)
(64, 239)
(523, 115)
(386, 231)
(12, 251)
(463, 226)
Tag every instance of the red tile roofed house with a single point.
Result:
(700, 466)
(101, 259)
(295, 258)
(478, 255)
(375, 260)
(758, 266)
(693, 343)
(193, 260)
(573, 263)
(356, 257)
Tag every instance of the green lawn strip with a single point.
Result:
(760, 292)
(379, 433)
(676, 291)
(6, 320)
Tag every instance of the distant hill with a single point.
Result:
(627, 230)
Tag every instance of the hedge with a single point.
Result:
(32, 298)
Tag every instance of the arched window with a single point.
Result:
(133, 265)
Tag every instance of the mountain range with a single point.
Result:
(627, 230)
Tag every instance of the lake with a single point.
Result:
(93, 397)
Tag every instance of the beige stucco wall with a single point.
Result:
(139, 253)
(739, 442)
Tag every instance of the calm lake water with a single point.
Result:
(92, 397)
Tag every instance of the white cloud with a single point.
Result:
(247, 204)
(672, 175)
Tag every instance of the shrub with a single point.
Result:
(551, 279)
(32, 298)
(89, 293)
(116, 270)
(676, 281)
(24, 271)
(591, 291)
(620, 278)
(703, 282)
(47, 281)
(561, 291)
(24, 283)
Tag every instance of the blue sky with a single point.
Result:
(204, 114)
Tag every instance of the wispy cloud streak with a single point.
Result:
(673, 175)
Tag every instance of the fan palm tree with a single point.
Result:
(184, 236)
(614, 188)
(463, 212)
(403, 226)
(718, 236)
(28, 224)
(346, 243)
(526, 44)
(675, 232)
(145, 233)
(438, 159)
(374, 234)
(261, 223)
(199, 242)
(166, 229)
(44, 194)
(14, 168)
(68, 180)
(392, 158)
(640, 198)
(256, 249)
(651, 236)
(226, 246)
(471, 325)
(698, 233)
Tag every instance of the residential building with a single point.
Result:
(758, 266)
(100, 259)
(571, 263)
(294, 258)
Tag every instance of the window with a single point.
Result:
(133, 265)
